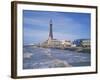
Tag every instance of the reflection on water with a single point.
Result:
(34, 58)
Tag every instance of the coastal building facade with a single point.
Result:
(82, 42)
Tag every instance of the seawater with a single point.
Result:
(37, 57)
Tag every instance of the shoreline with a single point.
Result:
(76, 49)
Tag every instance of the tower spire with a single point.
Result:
(50, 30)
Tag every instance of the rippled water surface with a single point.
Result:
(34, 58)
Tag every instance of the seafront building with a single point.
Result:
(82, 43)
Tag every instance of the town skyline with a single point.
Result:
(66, 26)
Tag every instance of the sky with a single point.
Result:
(66, 26)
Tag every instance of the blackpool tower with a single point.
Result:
(50, 31)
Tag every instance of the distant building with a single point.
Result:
(86, 43)
(81, 43)
(66, 43)
(54, 43)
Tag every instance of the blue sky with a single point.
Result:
(66, 25)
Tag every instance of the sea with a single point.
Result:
(39, 58)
